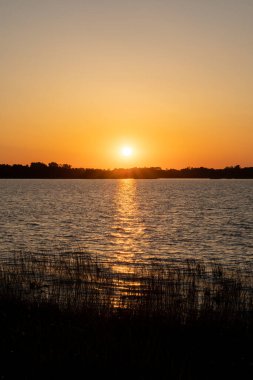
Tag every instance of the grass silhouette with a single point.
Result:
(71, 312)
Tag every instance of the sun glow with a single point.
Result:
(126, 151)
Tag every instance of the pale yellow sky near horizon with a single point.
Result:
(171, 79)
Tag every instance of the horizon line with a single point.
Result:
(54, 164)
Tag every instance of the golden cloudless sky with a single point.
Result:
(171, 79)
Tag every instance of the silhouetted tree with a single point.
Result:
(53, 165)
(54, 170)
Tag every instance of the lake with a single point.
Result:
(129, 222)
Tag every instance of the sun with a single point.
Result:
(126, 151)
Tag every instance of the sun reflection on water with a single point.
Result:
(128, 226)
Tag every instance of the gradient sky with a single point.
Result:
(172, 79)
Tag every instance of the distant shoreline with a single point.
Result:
(164, 178)
(39, 170)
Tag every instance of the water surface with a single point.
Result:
(130, 221)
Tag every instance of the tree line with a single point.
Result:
(54, 170)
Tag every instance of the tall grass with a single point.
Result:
(77, 282)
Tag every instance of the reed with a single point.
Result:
(69, 313)
(76, 281)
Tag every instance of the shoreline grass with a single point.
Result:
(72, 311)
(76, 281)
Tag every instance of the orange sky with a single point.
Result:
(81, 79)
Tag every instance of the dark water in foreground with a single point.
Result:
(130, 221)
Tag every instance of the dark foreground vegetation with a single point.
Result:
(54, 170)
(61, 314)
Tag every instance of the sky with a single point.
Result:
(172, 80)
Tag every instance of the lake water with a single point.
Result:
(130, 221)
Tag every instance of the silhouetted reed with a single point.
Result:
(77, 282)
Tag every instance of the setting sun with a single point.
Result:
(126, 151)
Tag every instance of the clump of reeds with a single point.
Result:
(71, 280)
(76, 281)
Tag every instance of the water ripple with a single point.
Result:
(128, 221)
